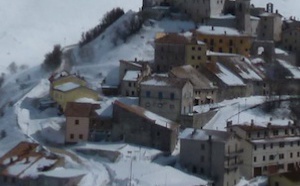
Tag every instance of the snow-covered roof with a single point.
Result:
(67, 86)
(61, 172)
(212, 53)
(295, 71)
(158, 120)
(221, 16)
(132, 75)
(228, 77)
(106, 107)
(162, 81)
(198, 80)
(276, 140)
(217, 30)
(204, 135)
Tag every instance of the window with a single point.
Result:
(281, 144)
(193, 57)
(199, 48)
(148, 94)
(271, 145)
(275, 132)
(291, 144)
(76, 122)
(160, 95)
(202, 146)
(298, 154)
(291, 155)
(271, 157)
(249, 135)
(230, 42)
(258, 134)
(72, 136)
(199, 57)
(286, 131)
(80, 136)
(157, 133)
(254, 159)
(193, 48)
(129, 84)
(220, 41)
(254, 147)
(172, 96)
(264, 146)
(281, 156)
(264, 158)
(292, 131)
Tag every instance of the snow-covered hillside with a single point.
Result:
(30, 28)
(286, 8)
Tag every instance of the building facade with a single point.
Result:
(268, 150)
(224, 40)
(136, 125)
(167, 96)
(216, 155)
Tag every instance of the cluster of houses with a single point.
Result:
(228, 56)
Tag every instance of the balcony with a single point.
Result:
(233, 154)
(232, 165)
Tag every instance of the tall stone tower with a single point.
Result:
(242, 13)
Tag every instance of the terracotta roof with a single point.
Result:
(74, 109)
(172, 38)
(150, 116)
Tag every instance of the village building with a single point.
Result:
(205, 92)
(268, 149)
(216, 155)
(136, 125)
(169, 51)
(229, 84)
(270, 27)
(81, 119)
(288, 178)
(130, 76)
(70, 91)
(195, 52)
(64, 77)
(167, 96)
(31, 164)
(241, 66)
(225, 40)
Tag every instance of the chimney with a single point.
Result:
(252, 122)
(269, 124)
(271, 118)
(209, 137)
(225, 32)
(135, 59)
(26, 160)
(212, 28)
(276, 11)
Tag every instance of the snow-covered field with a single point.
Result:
(30, 28)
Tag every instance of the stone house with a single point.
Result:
(205, 91)
(229, 84)
(255, 81)
(290, 35)
(216, 155)
(167, 96)
(270, 27)
(130, 75)
(269, 149)
(195, 52)
(200, 11)
(136, 125)
(30, 164)
(225, 40)
(169, 51)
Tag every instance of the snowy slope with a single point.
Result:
(30, 28)
(286, 8)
